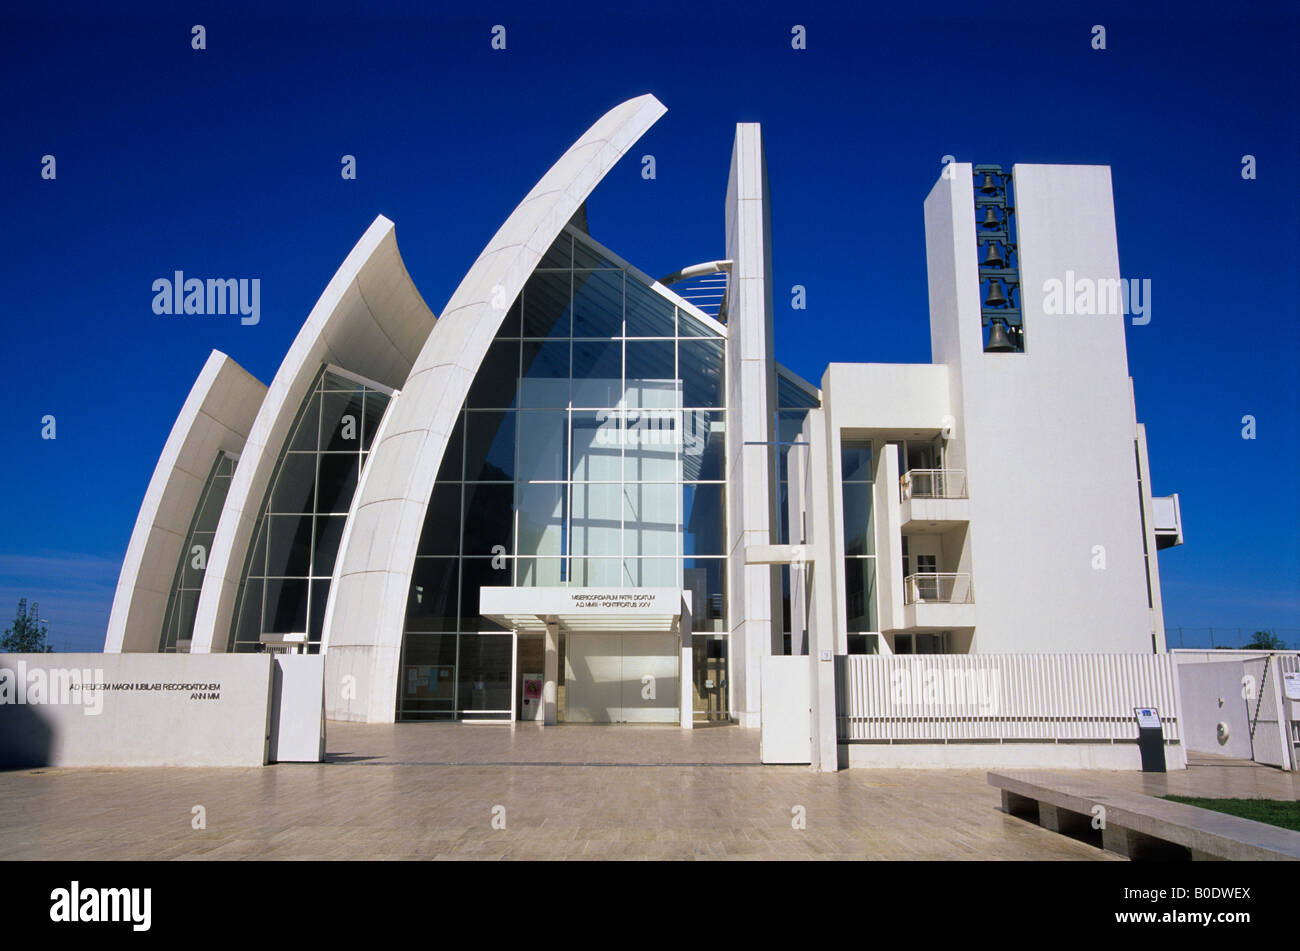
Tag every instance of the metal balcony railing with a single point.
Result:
(926, 587)
(933, 484)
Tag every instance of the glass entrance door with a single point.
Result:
(621, 678)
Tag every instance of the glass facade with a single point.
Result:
(300, 523)
(590, 451)
(859, 535)
(793, 403)
(183, 602)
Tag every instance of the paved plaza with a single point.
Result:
(444, 791)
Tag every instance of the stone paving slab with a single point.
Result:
(365, 804)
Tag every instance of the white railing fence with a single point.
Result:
(960, 698)
(933, 484)
(945, 587)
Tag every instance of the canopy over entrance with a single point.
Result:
(586, 610)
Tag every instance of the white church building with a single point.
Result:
(580, 494)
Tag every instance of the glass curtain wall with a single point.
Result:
(589, 452)
(793, 404)
(300, 522)
(183, 602)
(859, 535)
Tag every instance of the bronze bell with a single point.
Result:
(999, 340)
(991, 219)
(994, 257)
(995, 298)
(989, 187)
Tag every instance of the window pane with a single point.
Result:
(651, 377)
(651, 572)
(585, 256)
(705, 579)
(489, 447)
(320, 592)
(376, 404)
(650, 519)
(546, 304)
(304, 437)
(860, 593)
(431, 605)
(338, 480)
(597, 519)
(546, 374)
(704, 519)
(285, 611)
(192, 577)
(648, 314)
(596, 572)
(477, 573)
(450, 469)
(289, 551)
(559, 254)
(441, 535)
(486, 662)
(249, 626)
(596, 445)
(341, 417)
(855, 460)
(329, 533)
(539, 572)
(688, 325)
(597, 303)
(497, 379)
(428, 676)
(597, 372)
(651, 444)
(541, 519)
(489, 518)
(256, 553)
(702, 372)
(859, 533)
(704, 440)
(543, 445)
(295, 484)
(510, 324)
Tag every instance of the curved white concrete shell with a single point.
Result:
(370, 320)
(370, 596)
(216, 418)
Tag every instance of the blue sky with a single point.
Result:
(226, 162)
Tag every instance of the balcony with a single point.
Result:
(1168, 519)
(933, 500)
(938, 600)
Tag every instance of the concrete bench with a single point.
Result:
(1138, 826)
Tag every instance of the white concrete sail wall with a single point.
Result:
(1046, 436)
(216, 417)
(370, 320)
(753, 601)
(369, 609)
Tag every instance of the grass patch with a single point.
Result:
(1276, 812)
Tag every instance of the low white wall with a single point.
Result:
(1003, 756)
(1212, 693)
(298, 709)
(134, 709)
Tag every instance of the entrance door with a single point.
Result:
(621, 678)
